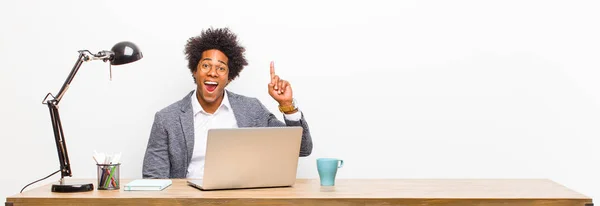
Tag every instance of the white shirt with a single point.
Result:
(222, 118)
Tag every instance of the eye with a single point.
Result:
(221, 68)
(205, 66)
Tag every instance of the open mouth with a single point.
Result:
(210, 86)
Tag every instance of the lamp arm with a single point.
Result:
(82, 57)
(61, 145)
(59, 138)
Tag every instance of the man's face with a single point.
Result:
(211, 76)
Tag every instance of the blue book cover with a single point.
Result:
(148, 185)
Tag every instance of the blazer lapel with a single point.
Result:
(186, 118)
(241, 116)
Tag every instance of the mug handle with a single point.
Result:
(341, 163)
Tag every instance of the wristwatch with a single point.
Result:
(290, 108)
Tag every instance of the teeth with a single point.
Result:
(211, 83)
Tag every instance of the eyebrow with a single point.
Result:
(217, 60)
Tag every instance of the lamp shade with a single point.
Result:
(125, 52)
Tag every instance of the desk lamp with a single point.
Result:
(121, 53)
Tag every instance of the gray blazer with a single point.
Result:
(171, 142)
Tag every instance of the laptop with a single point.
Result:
(250, 158)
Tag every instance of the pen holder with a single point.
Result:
(108, 176)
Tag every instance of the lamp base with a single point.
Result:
(83, 187)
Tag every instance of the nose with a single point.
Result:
(212, 72)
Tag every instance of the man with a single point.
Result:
(177, 143)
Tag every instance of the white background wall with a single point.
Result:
(410, 89)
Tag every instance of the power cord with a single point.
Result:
(39, 180)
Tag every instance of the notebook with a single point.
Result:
(148, 185)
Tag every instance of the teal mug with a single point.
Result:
(327, 168)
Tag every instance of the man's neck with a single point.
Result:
(210, 108)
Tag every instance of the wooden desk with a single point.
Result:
(407, 192)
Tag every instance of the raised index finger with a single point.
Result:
(272, 69)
